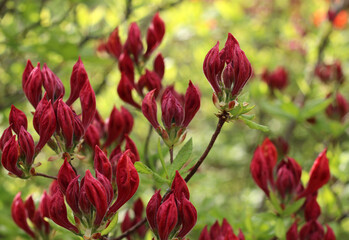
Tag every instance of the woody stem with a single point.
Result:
(46, 176)
(171, 154)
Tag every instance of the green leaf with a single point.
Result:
(142, 168)
(280, 230)
(111, 225)
(275, 202)
(253, 125)
(312, 107)
(292, 208)
(182, 157)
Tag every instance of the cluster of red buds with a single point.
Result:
(338, 109)
(288, 173)
(52, 117)
(174, 215)
(138, 209)
(92, 199)
(227, 71)
(224, 232)
(328, 73)
(177, 112)
(131, 55)
(277, 79)
(22, 212)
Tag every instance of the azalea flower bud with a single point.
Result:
(124, 90)
(128, 120)
(288, 177)
(172, 110)
(312, 209)
(39, 112)
(72, 194)
(88, 104)
(32, 85)
(115, 127)
(46, 123)
(114, 45)
(312, 230)
(292, 233)
(167, 217)
(155, 34)
(84, 203)
(27, 146)
(133, 44)
(159, 66)
(10, 156)
(52, 84)
(65, 175)
(149, 109)
(127, 181)
(191, 103)
(220, 232)
(19, 215)
(151, 81)
(92, 136)
(152, 209)
(236, 68)
(102, 164)
(188, 216)
(278, 79)
(319, 175)
(126, 66)
(28, 69)
(130, 145)
(204, 234)
(330, 234)
(338, 109)
(6, 135)
(17, 119)
(179, 187)
(78, 80)
(79, 130)
(66, 121)
(29, 206)
(58, 212)
(107, 185)
(96, 194)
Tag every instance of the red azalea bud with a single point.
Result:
(52, 84)
(179, 187)
(28, 69)
(172, 110)
(6, 135)
(19, 215)
(149, 109)
(338, 109)
(271, 156)
(127, 181)
(188, 216)
(58, 212)
(130, 145)
(97, 195)
(312, 209)
(126, 66)
(278, 79)
(84, 203)
(114, 46)
(152, 209)
(65, 119)
(155, 34)
(204, 234)
(128, 120)
(26, 143)
(159, 26)
(44, 206)
(133, 44)
(101, 163)
(78, 79)
(29, 207)
(115, 127)
(32, 86)
(54, 187)
(47, 124)
(260, 170)
(167, 217)
(339, 72)
(288, 176)
(312, 230)
(88, 104)
(330, 234)
(106, 183)
(138, 208)
(191, 103)
(72, 195)
(215, 230)
(319, 175)
(126, 224)
(124, 90)
(292, 233)
(79, 130)
(151, 81)
(9, 156)
(92, 136)
(241, 235)
(39, 112)
(213, 67)
(159, 66)
(65, 175)
(17, 119)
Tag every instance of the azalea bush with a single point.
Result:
(140, 126)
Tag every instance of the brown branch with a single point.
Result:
(44, 175)
(131, 230)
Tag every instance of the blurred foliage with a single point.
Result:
(271, 32)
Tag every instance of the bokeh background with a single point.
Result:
(272, 33)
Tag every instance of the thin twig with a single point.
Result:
(146, 146)
(44, 175)
(131, 230)
(171, 154)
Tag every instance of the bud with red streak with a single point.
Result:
(220, 232)
(17, 119)
(32, 84)
(155, 33)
